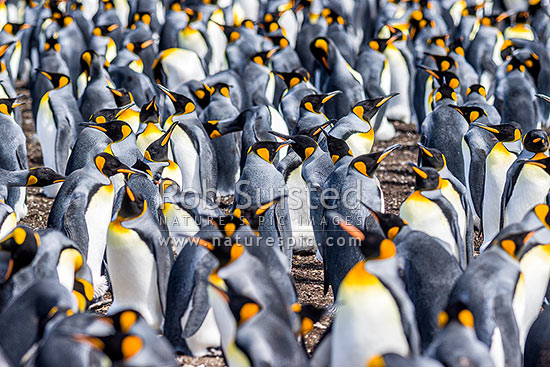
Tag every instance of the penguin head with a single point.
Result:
(107, 114)
(320, 48)
(534, 6)
(476, 89)
(133, 205)
(43, 176)
(513, 243)
(243, 308)
(314, 102)
(293, 78)
(439, 41)
(514, 63)
(222, 89)
(443, 77)
(380, 44)
(149, 112)
(367, 164)
(200, 93)
(445, 92)
(109, 165)
(14, 28)
(366, 109)
(278, 39)
(157, 151)
(431, 157)
(542, 211)
(83, 289)
(7, 105)
(470, 113)
(374, 246)
(118, 347)
(267, 149)
(315, 131)
(456, 312)
(141, 16)
(182, 104)
(105, 30)
(116, 130)
(503, 132)
(22, 244)
(303, 145)
(426, 178)
(58, 80)
(444, 63)
(122, 96)
(457, 46)
(137, 47)
(390, 223)
(337, 148)
(107, 5)
(262, 58)
(309, 315)
(86, 61)
(211, 129)
(418, 22)
(332, 17)
(251, 214)
(471, 10)
(536, 141)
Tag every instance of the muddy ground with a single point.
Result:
(394, 175)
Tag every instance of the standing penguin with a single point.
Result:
(13, 155)
(134, 243)
(192, 147)
(340, 76)
(371, 297)
(227, 147)
(56, 125)
(83, 211)
(427, 206)
(498, 161)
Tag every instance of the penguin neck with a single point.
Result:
(358, 276)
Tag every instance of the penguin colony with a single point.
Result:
(192, 147)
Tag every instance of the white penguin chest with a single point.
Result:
(187, 159)
(531, 189)
(299, 210)
(47, 132)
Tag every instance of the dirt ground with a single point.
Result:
(395, 177)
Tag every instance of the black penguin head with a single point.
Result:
(219, 88)
(503, 132)
(444, 92)
(303, 145)
(293, 78)
(431, 157)
(367, 164)
(390, 223)
(513, 243)
(267, 149)
(332, 17)
(380, 44)
(443, 77)
(182, 104)
(251, 215)
(157, 151)
(373, 245)
(107, 114)
(86, 61)
(118, 347)
(522, 17)
(22, 243)
(200, 94)
(122, 96)
(7, 105)
(536, 141)
(457, 312)
(212, 129)
(477, 89)
(243, 308)
(470, 113)
(109, 165)
(315, 131)
(116, 130)
(43, 176)
(58, 80)
(471, 10)
(52, 44)
(83, 288)
(232, 33)
(262, 58)
(426, 178)
(542, 211)
(314, 102)
(14, 28)
(457, 47)
(105, 30)
(440, 41)
(515, 63)
(133, 205)
(337, 148)
(309, 315)
(142, 16)
(137, 47)
(417, 22)
(278, 38)
(443, 63)
(319, 48)
(366, 109)
(149, 112)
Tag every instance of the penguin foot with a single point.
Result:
(101, 287)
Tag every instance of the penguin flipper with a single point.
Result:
(74, 222)
(21, 154)
(164, 258)
(509, 331)
(201, 305)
